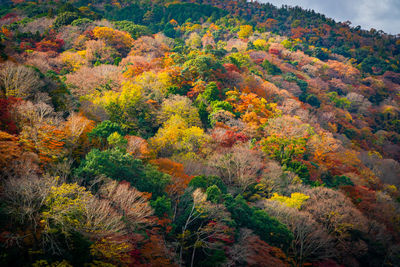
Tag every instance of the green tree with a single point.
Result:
(202, 67)
(119, 165)
(271, 69)
(204, 182)
(267, 228)
(337, 181)
(182, 106)
(65, 18)
(211, 93)
(240, 60)
(162, 206)
(81, 22)
(104, 129)
(117, 140)
(133, 29)
(214, 194)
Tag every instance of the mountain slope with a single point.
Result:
(196, 133)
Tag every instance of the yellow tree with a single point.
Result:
(295, 200)
(121, 41)
(176, 137)
(182, 106)
(245, 31)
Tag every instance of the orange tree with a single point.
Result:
(121, 41)
(253, 110)
(47, 141)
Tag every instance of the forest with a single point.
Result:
(196, 133)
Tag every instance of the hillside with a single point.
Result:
(196, 133)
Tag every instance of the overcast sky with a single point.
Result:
(378, 14)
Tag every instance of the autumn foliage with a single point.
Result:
(196, 133)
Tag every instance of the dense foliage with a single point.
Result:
(196, 133)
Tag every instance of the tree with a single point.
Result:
(137, 147)
(282, 148)
(119, 165)
(117, 140)
(7, 122)
(310, 241)
(205, 182)
(18, 80)
(77, 129)
(152, 47)
(277, 179)
(205, 226)
(202, 67)
(47, 141)
(181, 106)
(10, 149)
(134, 30)
(179, 179)
(240, 60)
(210, 94)
(254, 110)
(63, 203)
(32, 116)
(82, 23)
(176, 137)
(194, 40)
(121, 41)
(104, 129)
(50, 44)
(98, 53)
(260, 44)
(295, 200)
(69, 208)
(155, 85)
(130, 203)
(340, 219)
(107, 252)
(250, 250)
(286, 138)
(271, 68)
(156, 253)
(72, 61)
(58, 216)
(129, 109)
(245, 31)
(267, 228)
(238, 165)
(25, 197)
(338, 181)
(65, 18)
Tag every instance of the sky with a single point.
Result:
(378, 14)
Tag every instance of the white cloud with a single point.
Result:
(381, 15)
